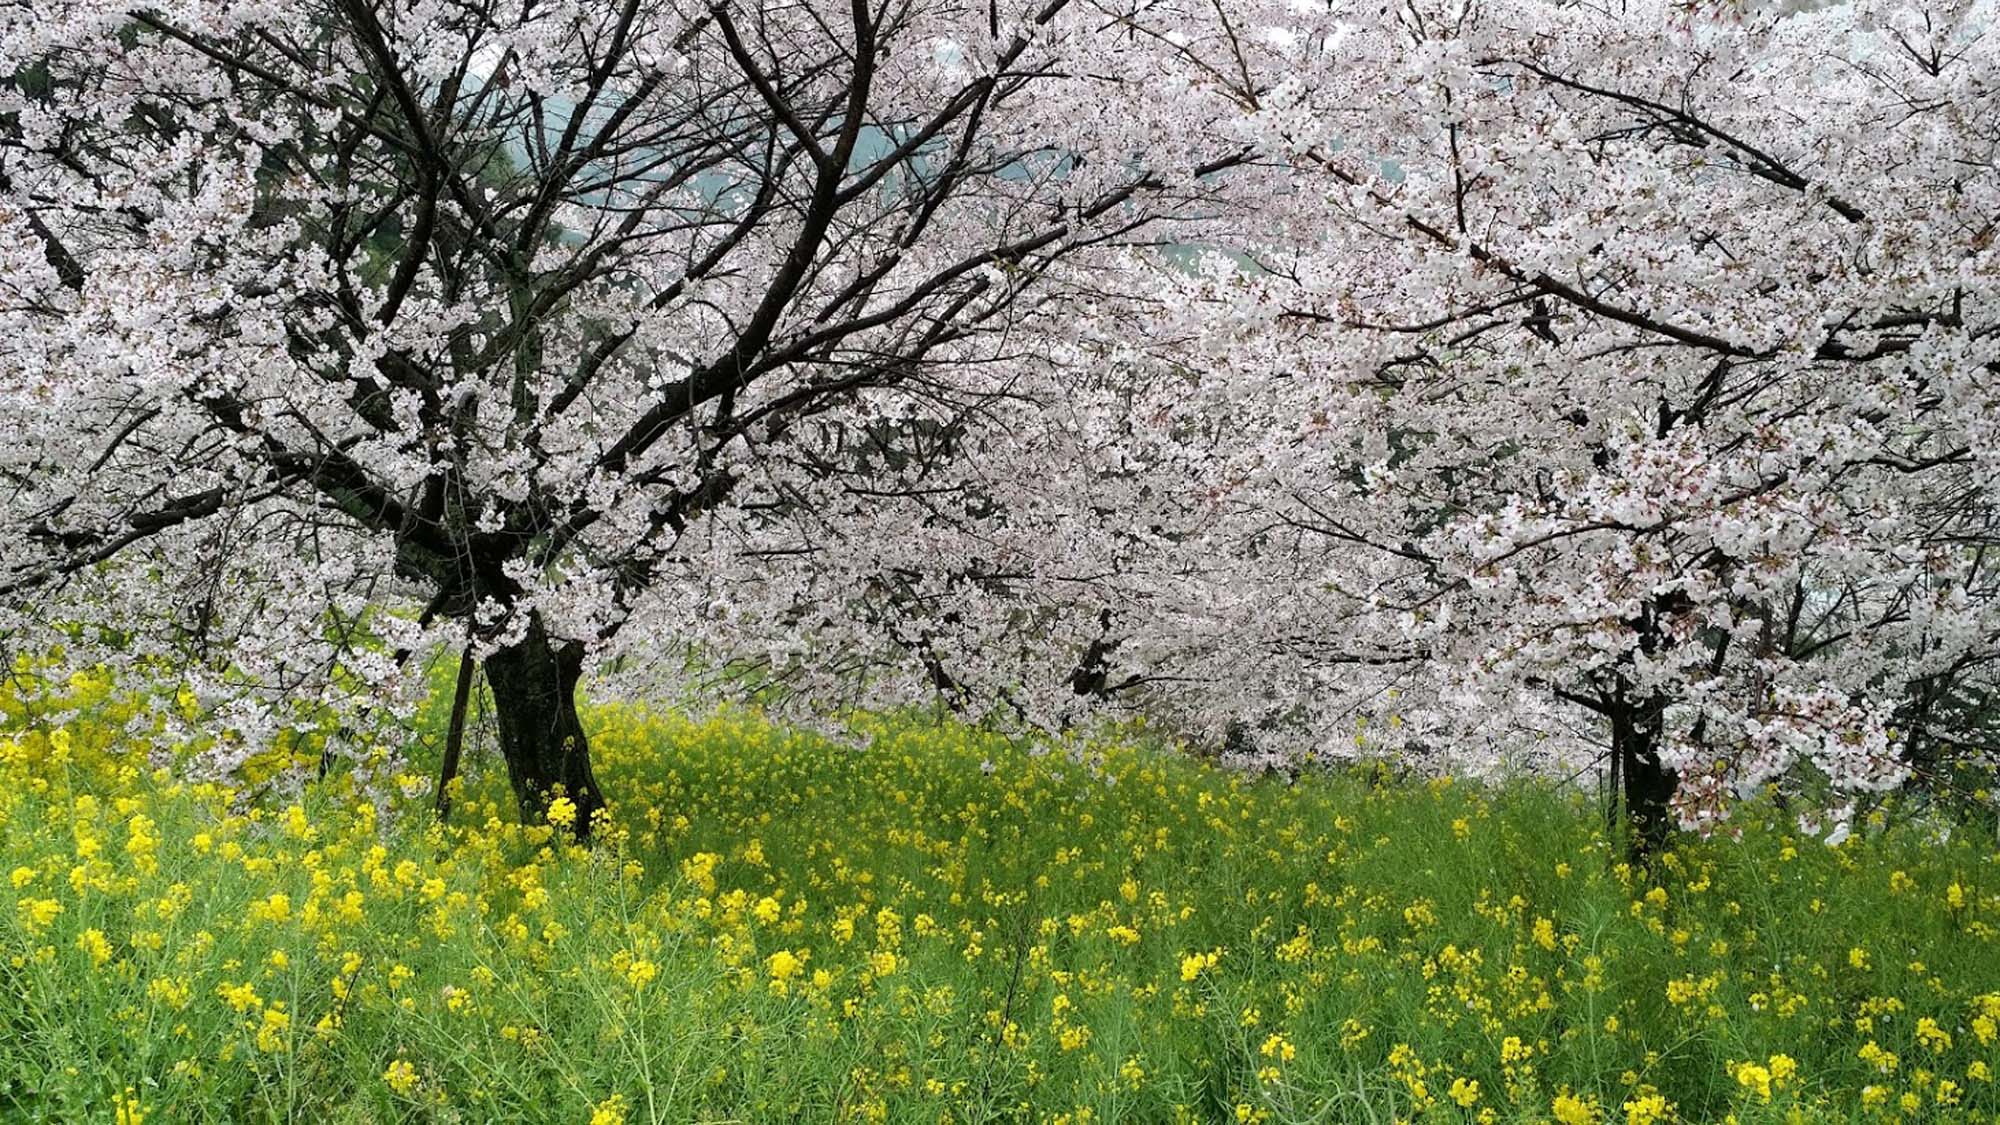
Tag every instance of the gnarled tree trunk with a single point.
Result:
(541, 737)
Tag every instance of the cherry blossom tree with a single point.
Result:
(335, 329)
(1619, 379)
(1483, 385)
(1583, 384)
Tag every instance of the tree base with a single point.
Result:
(541, 737)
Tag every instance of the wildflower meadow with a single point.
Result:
(999, 562)
(925, 922)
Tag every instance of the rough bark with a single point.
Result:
(1648, 785)
(541, 737)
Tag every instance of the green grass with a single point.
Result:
(942, 927)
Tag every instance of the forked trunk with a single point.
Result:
(541, 737)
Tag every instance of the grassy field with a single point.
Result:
(945, 928)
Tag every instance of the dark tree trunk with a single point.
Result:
(454, 737)
(1649, 785)
(534, 701)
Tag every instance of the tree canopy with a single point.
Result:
(1482, 384)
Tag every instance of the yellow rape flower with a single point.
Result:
(1754, 1078)
(168, 992)
(1872, 1053)
(401, 1077)
(561, 812)
(94, 943)
(1569, 1109)
(274, 909)
(1648, 1109)
(39, 913)
(641, 973)
(783, 965)
(239, 997)
(271, 1034)
(1195, 964)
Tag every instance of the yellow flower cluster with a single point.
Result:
(769, 926)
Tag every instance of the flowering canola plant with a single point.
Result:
(947, 926)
